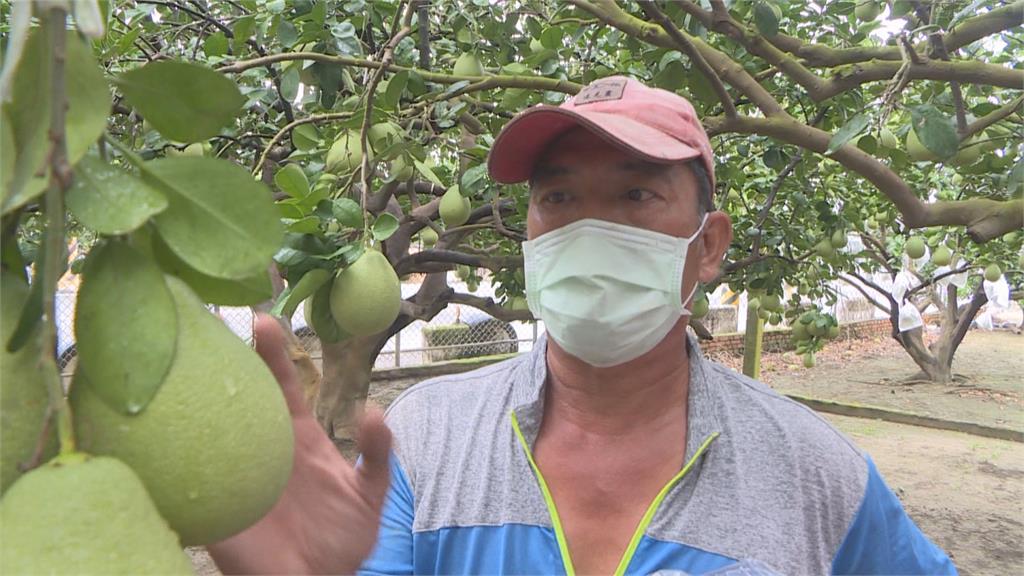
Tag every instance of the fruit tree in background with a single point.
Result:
(371, 121)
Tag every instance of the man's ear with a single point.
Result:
(717, 236)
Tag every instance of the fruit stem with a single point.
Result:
(53, 260)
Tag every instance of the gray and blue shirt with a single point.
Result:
(767, 483)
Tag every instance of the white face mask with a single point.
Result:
(607, 293)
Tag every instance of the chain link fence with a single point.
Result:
(458, 331)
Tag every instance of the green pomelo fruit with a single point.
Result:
(23, 396)
(429, 237)
(809, 360)
(832, 333)
(214, 446)
(915, 247)
(700, 307)
(345, 154)
(463, 272)
(384, 135)
(754, 303)
(838, 239)
(967, 155)
(867, 10)
(455, 208)
(317, 312)
(734, 196)
(194, 149)
(799, 330)
(366, 296)
(85, 515)
(763, 313)
(775, 319)
(888, 139)
(993, 272)
(942, 256)
(468, 65)
(518, 304)
(824, 248)
(917, 150)
(1010, 237)
(772, 302)
(401, 170)
(815, 330)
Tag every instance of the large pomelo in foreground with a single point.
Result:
(23, 397)
(214, 446)
(366, 296)
(85, 515)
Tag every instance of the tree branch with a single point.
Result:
(415, 262)
(687, 47)
(491, 307)
(497, 81)
(985, 219)
(992, 117)
(725, 67)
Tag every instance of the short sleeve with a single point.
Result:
(393, 553)
(882, 539)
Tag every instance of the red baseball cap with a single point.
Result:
(653, 124)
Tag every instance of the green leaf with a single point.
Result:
(243, 292)
(307, 225)
(307, 285)
(216, 44)
(126, 326)
(8, 152)
(473, 180)
(110, 200)
(347, 212)
(305, 137)
(766, 18)
(287, 34)
(396, 86)
(428, 173)
(290, 83)
(184, 102)
(853, 127)
(241, 32)
(385, 225)
(292, 181)
(935, 130)
(219, 220)
(88, 101)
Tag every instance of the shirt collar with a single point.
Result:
(703, 417)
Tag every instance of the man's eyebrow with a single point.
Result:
(544, 171)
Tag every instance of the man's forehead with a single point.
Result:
(555, 167)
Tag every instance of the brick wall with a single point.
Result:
(777, 340)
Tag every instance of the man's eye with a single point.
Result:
(555, 197)
(639, 195)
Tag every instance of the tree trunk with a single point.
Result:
(936, 361)
(347, 367)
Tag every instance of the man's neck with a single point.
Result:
(651, 390)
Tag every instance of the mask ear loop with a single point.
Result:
(689, 241)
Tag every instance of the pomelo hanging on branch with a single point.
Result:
(214, 446)
(367, 295)
(79, 514)
(455, 208)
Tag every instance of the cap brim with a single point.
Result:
(522, 141)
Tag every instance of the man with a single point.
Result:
(614, 447)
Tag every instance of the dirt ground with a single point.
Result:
(965, 492)
(871, 371)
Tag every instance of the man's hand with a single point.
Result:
(326, 520)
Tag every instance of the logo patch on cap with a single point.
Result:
(601, 91)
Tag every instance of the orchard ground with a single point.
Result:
(965, 492)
